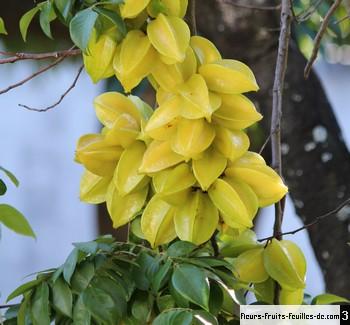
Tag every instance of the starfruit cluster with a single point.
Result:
(185, 166)
(264, 265)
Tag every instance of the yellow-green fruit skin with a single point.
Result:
(249, 266)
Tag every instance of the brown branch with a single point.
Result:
(319, 36)
(265, 144)
(253, 7)
(306, 14)
(32, 76)
(61, 98)
(193, 20)
(276, 115)
(315, 221)
(14, 57)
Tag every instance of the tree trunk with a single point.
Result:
(316, 162)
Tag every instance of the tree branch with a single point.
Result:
(60, 99)
(193, 20)
(249, 6)
(276, 116)
(315, 221)
(32, 76)
(319, 36)
(14, 57)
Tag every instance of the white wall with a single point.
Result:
(39, 149)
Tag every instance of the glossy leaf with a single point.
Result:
(62, 298)
(40, 311)
(81, 27)
(328, 299)
(26, 20)
(11, 176)
(15, 221)
(192, 284)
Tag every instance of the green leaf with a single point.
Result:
(165, 302)
(24, 288)
(82, 276)
(12, 177)
(2, 27)
(328, 299)
(23, 309)
(62, 297)
(142, 307)
(87, 247)
(40, 313)
(202, 317)
(81, 26)
(81, 316)
(26, 20)
(64, 7)
(114, 17)
(192, 283)
(181, 249)
(161, 276)
(174, 317)
(47, 15)
(70, 264)
(3, 187)
(102, 305)
(216, 298)
(15, 221)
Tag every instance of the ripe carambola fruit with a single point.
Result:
(249, 266)
(285, 263)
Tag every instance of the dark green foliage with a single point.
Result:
(106, 282)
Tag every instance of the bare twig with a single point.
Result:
(276, 116)
(7, 306)
(193, 20)
(32, 76)
(319, 36)
(306, 14)
(61, 98)
(14, 57)
(315, 221)
(249, 6)
(341, 20)
(265, 144)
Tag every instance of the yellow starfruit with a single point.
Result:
(93, 188)
(264, 181)
(228, 77)
(97, 156)
(123, 209)
(205, 50)
(170, 36)
(131, 8)
(236, 112)
(249, 266)
(230, 205)
(285, 263)
(197, 219)
(157, 222)
(208, 168)
(99, 57)
(231, 143)
(127, 178)
(159, 156)
(192, 138)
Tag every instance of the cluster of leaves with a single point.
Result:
(310, 15)
(10, 216)
(80, 15)
(106, 282)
